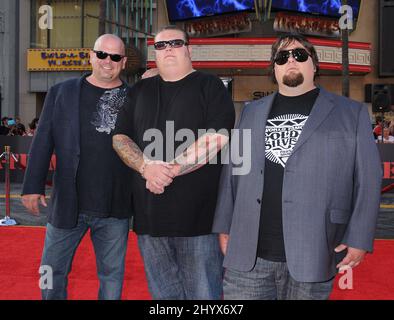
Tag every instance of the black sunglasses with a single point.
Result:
(176, 43)
(103, 55)
(299, 54)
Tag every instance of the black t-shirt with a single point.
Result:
(198, 101)
(102, 177)
(284, 126)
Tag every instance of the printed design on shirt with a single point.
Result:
(281, 135)
(104, 119)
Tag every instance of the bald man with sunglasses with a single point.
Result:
(91, 188)
(309, 205)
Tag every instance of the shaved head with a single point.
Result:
(105, 71)
(112, 38)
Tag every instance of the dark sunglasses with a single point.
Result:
(176, 43)
(299, 54)
(103, 55)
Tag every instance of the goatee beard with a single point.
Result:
(293, 80)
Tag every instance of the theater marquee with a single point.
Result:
(255, 53)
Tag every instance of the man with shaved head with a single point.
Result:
(91, 184)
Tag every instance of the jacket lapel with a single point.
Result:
(73, 111)
(258, 132)
(320, 111)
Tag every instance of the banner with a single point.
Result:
(74, 59)
(58, 59)
(212, 27)
(386, 151)
(314, 26)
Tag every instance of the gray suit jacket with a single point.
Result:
(331, 189)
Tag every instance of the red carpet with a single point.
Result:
(21, 249)
(20, 256)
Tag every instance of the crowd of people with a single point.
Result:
(14, 127)
(383, 130)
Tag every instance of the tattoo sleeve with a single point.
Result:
(128, 151)
(200, 152)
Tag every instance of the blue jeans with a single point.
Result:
(179, 268)
(109, 237)
(271, 281)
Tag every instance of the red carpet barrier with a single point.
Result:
(20, 147)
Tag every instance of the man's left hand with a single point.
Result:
(352, 259)
(156, 189)
(159, 188)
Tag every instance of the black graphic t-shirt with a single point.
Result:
(283, 128)
(100, 171)
(198, 101)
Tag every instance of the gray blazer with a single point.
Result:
(331, 189)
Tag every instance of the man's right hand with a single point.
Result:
(30, 201)
(158, 174)
(150, 73)
(223, 240)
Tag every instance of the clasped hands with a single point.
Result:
(159, 174)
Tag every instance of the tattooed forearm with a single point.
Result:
(201, 152)
(187, 168)
(128, 151)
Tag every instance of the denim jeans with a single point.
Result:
(109, 237)
(179, 268)
(271, 281)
